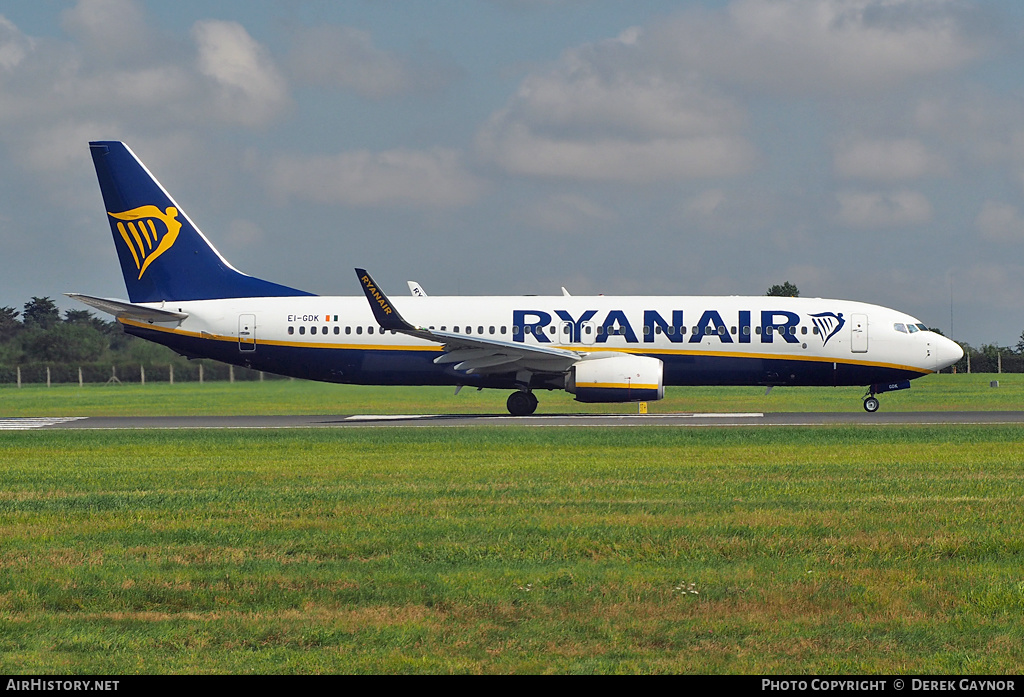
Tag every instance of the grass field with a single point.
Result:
(513, 550)
(930, 393)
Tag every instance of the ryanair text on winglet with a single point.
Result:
(381, 300)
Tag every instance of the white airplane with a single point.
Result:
(185, 295)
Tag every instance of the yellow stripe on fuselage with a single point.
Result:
(582, 349)
(614, 386)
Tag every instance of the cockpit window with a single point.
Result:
(900, 327)
(913, 328)
(922, 327)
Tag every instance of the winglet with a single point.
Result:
(383, 311)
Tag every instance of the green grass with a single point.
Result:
(930, 393)
(513, 550)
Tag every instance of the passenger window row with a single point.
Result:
(552, 329)
(480, 329)
(313, 330)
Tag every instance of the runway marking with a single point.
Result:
(735, 415)
(24, 424)
(389, 417)
(403, 417)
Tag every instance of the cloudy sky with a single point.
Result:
(861, 149)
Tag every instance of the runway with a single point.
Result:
(543, 420)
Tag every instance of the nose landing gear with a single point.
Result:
(871, 402)
(521, 403)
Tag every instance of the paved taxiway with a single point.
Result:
(604, 420)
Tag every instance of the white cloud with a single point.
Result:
(821, 46)
(243, 233)
(1000, 222)
(117, 71)
(57, 148)
(433, 178)
(346, 57)
(585, 95)
(887, 160)
(14, 45)
(112, 29)
(658, 103)
(707, 203)
(520, 151)
(604, 113)
(982, 126)
(991, 284)
(249, 88)
(748, 214)
(568, 213)
(871, 210)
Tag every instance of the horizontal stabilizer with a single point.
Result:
(122, 309)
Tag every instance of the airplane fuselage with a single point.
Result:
(700, 340)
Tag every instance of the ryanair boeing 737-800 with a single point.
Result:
(185, 295)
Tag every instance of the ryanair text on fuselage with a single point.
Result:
(781, 323)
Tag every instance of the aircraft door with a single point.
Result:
(247, 332)
(588, 333)
(565, 333)
(859, 333)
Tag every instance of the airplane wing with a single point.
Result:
(122, 309)
(470, 354)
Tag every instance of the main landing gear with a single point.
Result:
(521, 403)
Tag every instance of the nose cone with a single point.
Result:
(946, 352)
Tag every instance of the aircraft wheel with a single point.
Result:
(533, 401)
(521, 403)
(871, 405)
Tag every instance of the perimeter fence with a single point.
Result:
(99, 373)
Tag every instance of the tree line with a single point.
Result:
(37, 341)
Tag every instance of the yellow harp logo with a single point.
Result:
(148, 232)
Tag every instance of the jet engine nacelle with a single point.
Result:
(617, 379)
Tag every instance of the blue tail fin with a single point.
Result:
(163, 255)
